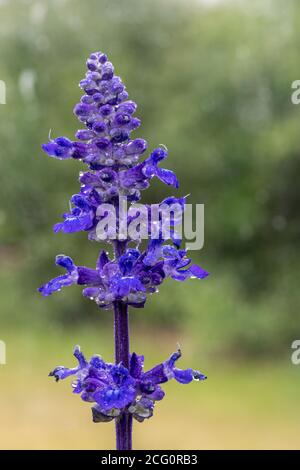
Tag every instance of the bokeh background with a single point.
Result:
(213, 82)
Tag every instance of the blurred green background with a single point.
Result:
(213, 82)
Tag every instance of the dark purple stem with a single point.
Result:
(122, 351)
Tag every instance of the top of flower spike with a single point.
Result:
(105, 143)
(108, 116)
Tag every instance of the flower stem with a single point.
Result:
(122, 351)
(124, 423)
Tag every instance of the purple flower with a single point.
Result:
(114, 389)
(140, 175)
(61, 281)
(129, 278)
(81, 216)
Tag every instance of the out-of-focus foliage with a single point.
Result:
(213, 83)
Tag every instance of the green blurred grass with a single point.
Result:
(240, 406)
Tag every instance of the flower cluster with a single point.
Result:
(88, 212)
(115, 389)
(114, 171)
(107, 185)
(129, 278)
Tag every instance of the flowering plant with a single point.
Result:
(121, 391)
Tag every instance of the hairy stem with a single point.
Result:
(122, 351)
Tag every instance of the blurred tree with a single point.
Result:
(214, 85)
